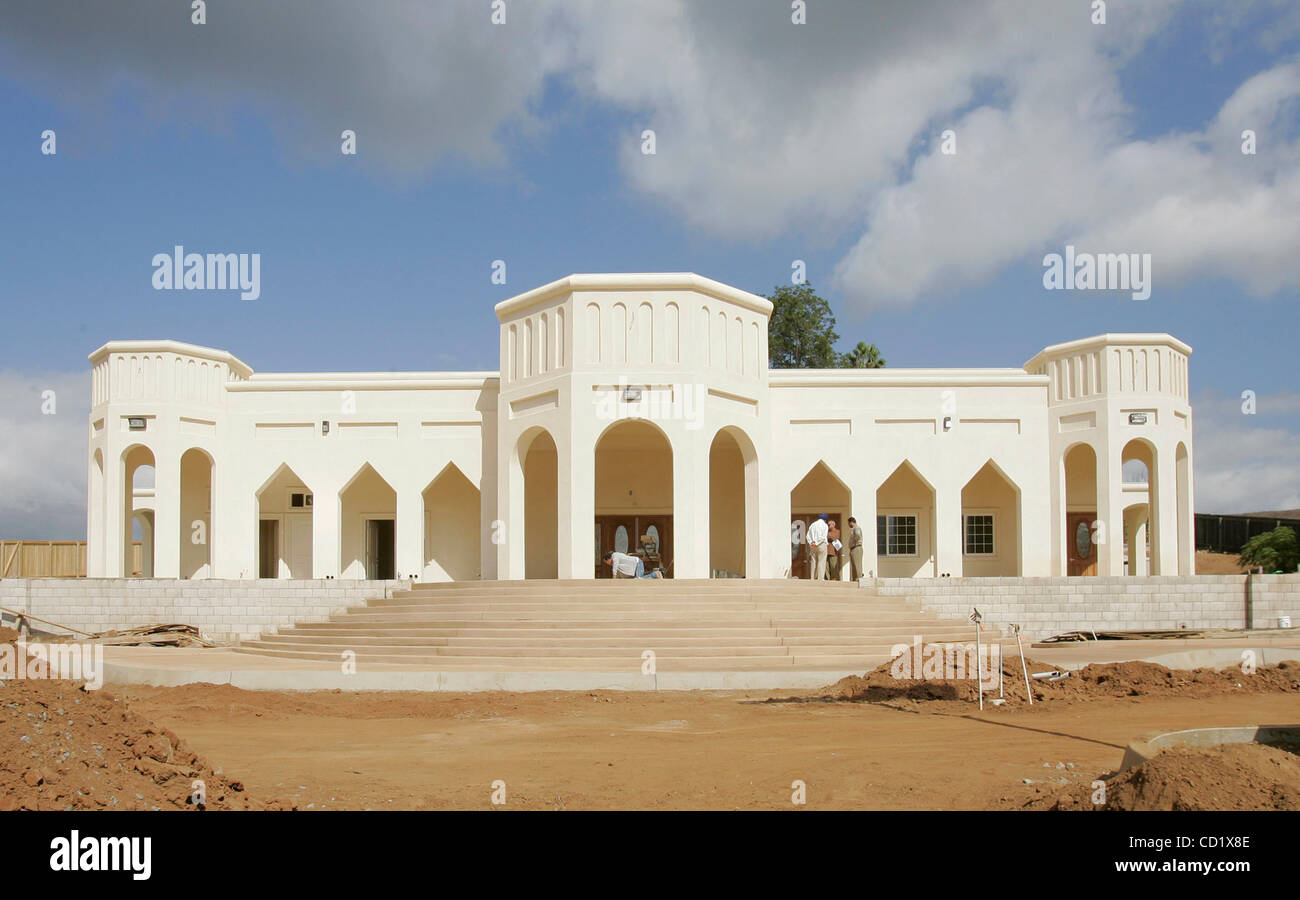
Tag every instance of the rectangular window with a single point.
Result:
(979, 535)
(896, 535)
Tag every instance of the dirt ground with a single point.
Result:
(701, 750)
(1208, 563)
(874, 741)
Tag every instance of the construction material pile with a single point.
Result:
(1093, 682)
(62, 747)
(1226, 777)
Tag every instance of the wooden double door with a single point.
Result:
(623, 533)
(801, 565)
(1082, 553)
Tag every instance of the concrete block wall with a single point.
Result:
(223, 610)
(1047, 606)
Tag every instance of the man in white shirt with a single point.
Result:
(625, 565)
(817, 532)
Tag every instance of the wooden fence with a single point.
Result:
(51, 559)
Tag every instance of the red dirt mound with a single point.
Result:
(1093, 682)
(1228, 777)
(62, 748)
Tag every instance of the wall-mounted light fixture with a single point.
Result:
(135, 423)
(947, 423)
(325, 427)
(631, 395)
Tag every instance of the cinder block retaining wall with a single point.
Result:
(223, 610)
(1047, 606)
(229, 610)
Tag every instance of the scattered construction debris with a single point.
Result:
(1069, 636)
(170, 635)
(1066, 637)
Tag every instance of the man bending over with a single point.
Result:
(625, 565)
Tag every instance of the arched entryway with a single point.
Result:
(1079, 478)
(819, 492)
(1137, 539)
(634, 495)
(905, 525)
(990, 524)
(733, 505)
(196, 514)
(284, 526)
(367, 527)
(137, 512)
(539, 463)
(1139, 485)
(452, 527)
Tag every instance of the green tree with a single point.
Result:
(801, 333)
(1275, 550)
(863, 356)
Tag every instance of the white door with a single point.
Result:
(298, 546)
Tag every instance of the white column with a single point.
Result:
(410, 532)
(774, 526)
(690, 508)
(1110, 512)
(510, 510)
(167, 517)
(325, 527)
(1164, 515)
(862, 489)
(947, 529)
(233, 532)
(576, 508)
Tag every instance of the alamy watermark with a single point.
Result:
(181, 271)
(75, 662)
(934, 661)
(1082, 271)
(656, 402)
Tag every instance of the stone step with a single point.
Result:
(850, 601)
(334, 651)
(597, 629)
(663, 663)
(577, 612)
(595, 638)
(709, 584)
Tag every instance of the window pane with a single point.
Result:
(901, 536)
(979, 535)
(880, 536)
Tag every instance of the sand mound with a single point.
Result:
(1227, 777)
(1098, 681)
(65, 748)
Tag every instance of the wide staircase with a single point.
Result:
(689, 625)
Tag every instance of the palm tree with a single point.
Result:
(863, 356)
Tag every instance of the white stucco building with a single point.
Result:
(629, 405)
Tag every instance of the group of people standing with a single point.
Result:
(827, 548)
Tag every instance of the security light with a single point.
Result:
(135, 423)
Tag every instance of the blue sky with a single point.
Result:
(520, 142)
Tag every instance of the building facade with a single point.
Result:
(638, 411)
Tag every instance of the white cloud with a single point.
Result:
(1246, 463)
(763, 127)
(43, 457)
